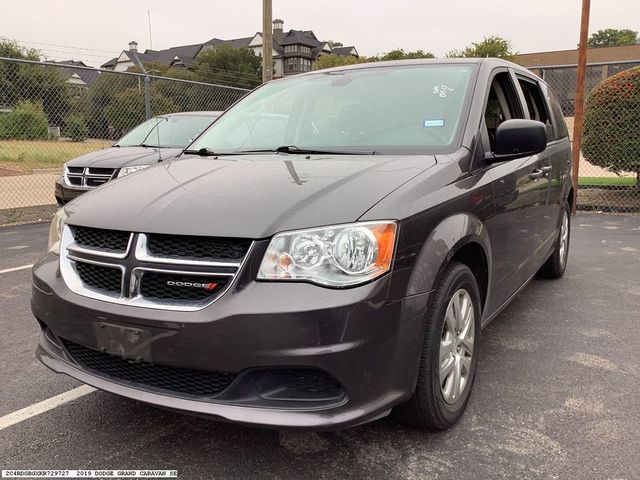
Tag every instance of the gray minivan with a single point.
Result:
(327, 252)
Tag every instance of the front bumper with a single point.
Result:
(369, 346)
(64, 193)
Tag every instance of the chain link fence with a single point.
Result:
(609, 167)
(51, 113)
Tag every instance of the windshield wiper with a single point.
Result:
(293, 150)
(203, 152)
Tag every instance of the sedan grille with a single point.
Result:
(197, 383)
(88, 176)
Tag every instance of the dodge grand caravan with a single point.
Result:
(327, 252)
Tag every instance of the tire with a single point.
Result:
(556, 264)
(435, 405)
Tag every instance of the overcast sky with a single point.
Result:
(104, 28)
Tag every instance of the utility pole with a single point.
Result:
(579, 104)
(267, 42)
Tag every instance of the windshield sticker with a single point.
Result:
(442, 90)
(433, 123)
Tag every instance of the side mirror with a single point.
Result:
(518, 138)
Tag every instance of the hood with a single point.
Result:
(250, 196)
(118, 157)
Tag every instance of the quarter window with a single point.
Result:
(556, 110)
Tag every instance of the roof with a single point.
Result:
(185, 53)
(343, 50)
(234, 42)
(110, 63)
(300, 37)
(87, 74)
(620, 53)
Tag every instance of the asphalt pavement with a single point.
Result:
(557, 393)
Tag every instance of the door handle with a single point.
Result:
(536, 174)
(546, 169)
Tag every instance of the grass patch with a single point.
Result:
(617, 181)
(25, 155)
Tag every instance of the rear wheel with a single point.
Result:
(555, 266)
(450, 352)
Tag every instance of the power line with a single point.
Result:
(68, 46)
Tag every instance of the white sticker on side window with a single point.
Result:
(433, 123)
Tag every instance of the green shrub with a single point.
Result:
(26, 121)
(611, 131)
(75, 128)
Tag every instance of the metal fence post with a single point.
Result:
(147, 97)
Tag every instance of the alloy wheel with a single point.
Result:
(456, 346)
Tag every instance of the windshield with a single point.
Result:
(175, 131)
(407, 109)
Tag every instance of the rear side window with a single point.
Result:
(536, 105)
(556, 110)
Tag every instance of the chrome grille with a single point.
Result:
(87, 176)
(116, 266)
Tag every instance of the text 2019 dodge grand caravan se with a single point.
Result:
(327, 251)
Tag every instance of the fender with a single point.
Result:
(444, 241)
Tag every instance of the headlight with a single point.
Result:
(128, 170)
(55, 231)
(338, 256)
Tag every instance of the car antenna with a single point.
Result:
(158, 136)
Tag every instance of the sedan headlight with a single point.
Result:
(337, 256)
(55, 231)
(128, 170)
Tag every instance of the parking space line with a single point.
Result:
(44, 406)
(15, 269)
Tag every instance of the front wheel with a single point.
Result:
(555, 266)
(450, 352)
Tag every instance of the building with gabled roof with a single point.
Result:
(294, 51)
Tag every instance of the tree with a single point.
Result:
(493, 46)
(611, 130)
(36, 83)
(225, 65)
(400, 54)
(127, 109)
(333, 60)
(612, 37)
(101, 94)
(333, 43)
(75, 128)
